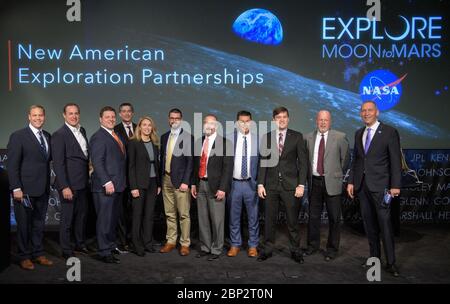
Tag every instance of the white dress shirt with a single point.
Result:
(373, 130)
(79, 137)
(36, 133)
(238, 155)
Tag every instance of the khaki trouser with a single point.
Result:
(175, 202)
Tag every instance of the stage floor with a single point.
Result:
(423, 256)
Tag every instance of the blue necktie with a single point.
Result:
(368, 140)
(41, 141)
(244, 159)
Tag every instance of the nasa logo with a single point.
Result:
(383, 87)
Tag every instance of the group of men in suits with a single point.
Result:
(237, 168)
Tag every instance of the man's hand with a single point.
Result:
(67, 194)
(262, 192)
(183, 187)
(299, 191)
(18, 195)
(194, 191)
(350, 191)
(135, 193)
(158, 191)
(109, 188)
(395, 192)
(220, 195)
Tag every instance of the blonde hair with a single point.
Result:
(153, 135)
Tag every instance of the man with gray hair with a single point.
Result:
(328, 158)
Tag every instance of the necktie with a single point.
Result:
(320, 157)
(169, 152)
(42, 143)
(280, 143)
(119, 142)
(130, 132)
(244, 174)
(204, 158)
(368, 140)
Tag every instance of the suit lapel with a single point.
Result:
(329, 143)
(74, 139)
(312, 144)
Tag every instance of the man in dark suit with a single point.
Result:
(374, 176)
(328, 159)
(282, 182)
(108, 156)
(212, 180)
(71, 166)
(243, 187)
(28, 165)
(125, 129)
(177, 163)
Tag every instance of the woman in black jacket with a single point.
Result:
(145, 183)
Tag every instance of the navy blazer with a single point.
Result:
(28, 166)
(139, 165)
(108, 161)
(70, 164)
(182, 163)
(254, 157)
(381, 166)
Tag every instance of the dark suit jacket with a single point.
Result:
(219, 167)
(254, 158)
(181, 166)
(28, 167)
(120, 130)
(382, 164)
(70, 164)
(139, 165)
(108, 161)
(292, 164)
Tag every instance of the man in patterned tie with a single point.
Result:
(375, 173)
(28, 164)
(328, 155)
(243, 187)
(283, 183)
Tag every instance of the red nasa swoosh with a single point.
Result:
(397, 81)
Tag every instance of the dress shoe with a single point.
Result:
(213, 257)
(150, 249)
(110, 259)
(184, 250)
(140, 253)
(252, 252)
(310, 251)
(27, 264)
(42, 260)
(82, 250)
(328, 256)
(233, 251)
(167, 248)
(298, 257)
(392, 269)
(263, 256)
(202, 254)
(123, 249)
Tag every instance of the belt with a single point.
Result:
(242, 180)
(318, 177)
(204, 179)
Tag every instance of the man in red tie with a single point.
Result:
(108, 156)
(329, 156)
(212, 182)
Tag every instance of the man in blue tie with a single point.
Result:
(28, 165)
(376, 172)
(243, 188)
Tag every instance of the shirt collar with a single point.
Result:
(175, 131)
(374, 126)
(130, 124)
(109, 131)
(73, 129)
(35, 131)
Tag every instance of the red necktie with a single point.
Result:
(204, 158)
(320, 157)
(119, 142)
(280, 143)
